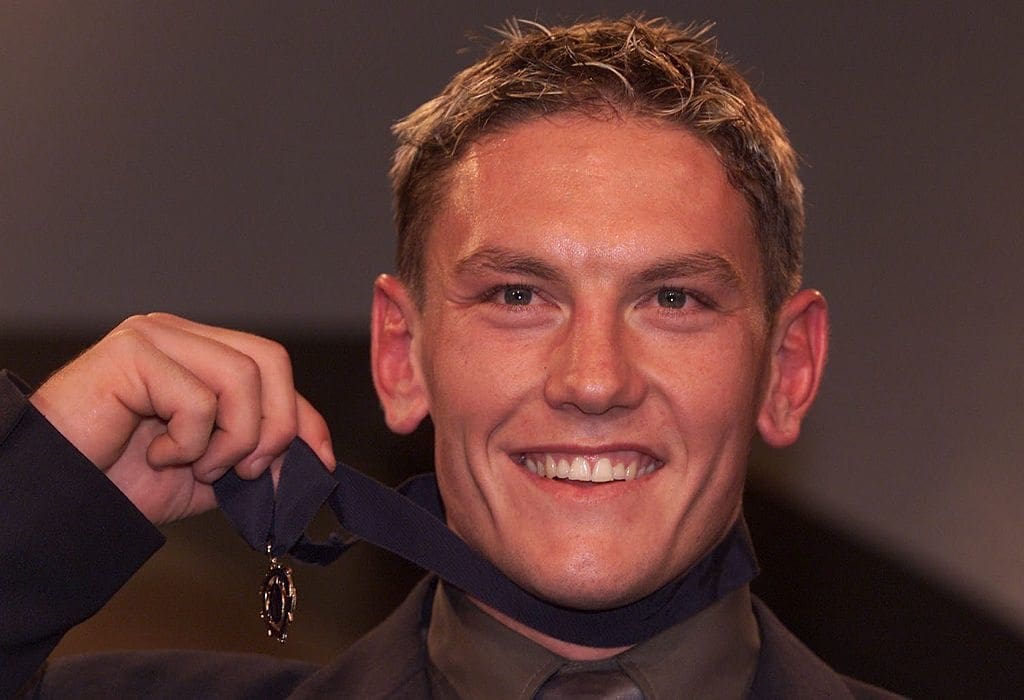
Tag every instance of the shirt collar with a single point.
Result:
(713, 653)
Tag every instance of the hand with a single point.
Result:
(166, 406)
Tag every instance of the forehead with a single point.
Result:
(593, 191)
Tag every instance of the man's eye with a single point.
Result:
(672, 298)
(518, 296)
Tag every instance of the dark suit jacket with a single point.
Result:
(64, 574)
(389, 662)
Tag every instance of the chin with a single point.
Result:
(588, 586)
(593, 599)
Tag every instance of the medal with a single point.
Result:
(279, 596)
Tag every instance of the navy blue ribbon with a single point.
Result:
(409, 521)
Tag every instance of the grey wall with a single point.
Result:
(228, 163)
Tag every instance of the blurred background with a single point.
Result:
(227, 162)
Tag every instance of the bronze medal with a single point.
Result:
(279, 596)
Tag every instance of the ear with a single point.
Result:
(396, 372)
(799, 346)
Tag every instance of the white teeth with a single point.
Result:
(602, 470)
(563, 469)
(579, 470)
(593, 469)
(619, 471)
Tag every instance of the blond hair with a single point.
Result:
(630, 66)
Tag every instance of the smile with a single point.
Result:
(612, 466)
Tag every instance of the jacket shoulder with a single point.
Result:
(388, 662)
(786, 668)
(170, 674)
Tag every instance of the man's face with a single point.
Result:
(593, 307)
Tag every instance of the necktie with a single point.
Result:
(605, 682)
(409, 521)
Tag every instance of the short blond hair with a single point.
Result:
(631, 66)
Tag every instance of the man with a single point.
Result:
(597, 304)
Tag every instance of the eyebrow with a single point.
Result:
(503, 260)
(693, 265)
(494, 259)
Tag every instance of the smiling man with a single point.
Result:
(600, 277)
(597, 304)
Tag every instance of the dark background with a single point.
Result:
(228, 162)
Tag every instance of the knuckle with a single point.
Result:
(131, 324)
(246, 380)
(205, 403)
(276, 354)
(133, 320)
(161, 317)
(128, 336)
(247, 368)
(137, 322)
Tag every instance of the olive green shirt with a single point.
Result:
(712, 654)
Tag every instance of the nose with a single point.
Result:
(592, 367)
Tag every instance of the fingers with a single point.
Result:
(166, 406)
(99, 400)
(313, 429)
(220, 424)
(185, 402)
(256, 411)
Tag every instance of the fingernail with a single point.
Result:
(259, 465)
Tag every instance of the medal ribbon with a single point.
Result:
(409, 521)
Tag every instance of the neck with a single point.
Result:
(567, 650)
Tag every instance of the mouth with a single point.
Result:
(625, 465)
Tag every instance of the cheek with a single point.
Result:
(715, 390)
(471, 373)
(475, 385)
